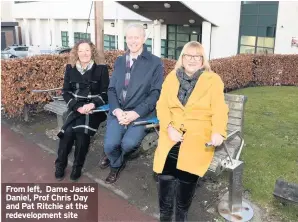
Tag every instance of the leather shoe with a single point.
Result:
(104, 163)
(75, 173)
(114, 174)
(59, 173)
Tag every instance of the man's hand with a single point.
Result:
(216, 139)
(129, 117)
(174, 134)
(119, 114)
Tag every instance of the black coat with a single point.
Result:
(79, 90)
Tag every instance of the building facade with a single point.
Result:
(8, 30)
(224, 28)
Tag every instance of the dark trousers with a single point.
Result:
(81, 141)
(175, 188)
(120, 141)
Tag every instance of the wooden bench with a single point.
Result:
(57, 106)
(235, 141)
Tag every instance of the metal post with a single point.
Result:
(235, 209)
(235, 188)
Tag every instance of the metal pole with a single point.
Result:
(234, 208)
(99, 29)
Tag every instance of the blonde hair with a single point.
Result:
(200, 50)
(73, 58)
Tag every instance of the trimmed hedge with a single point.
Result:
(276, 70)
(236, 72)
(21, 76)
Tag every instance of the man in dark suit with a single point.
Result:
(133, 92)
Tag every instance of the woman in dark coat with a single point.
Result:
(85, 88)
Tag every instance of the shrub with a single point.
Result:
(21, 76)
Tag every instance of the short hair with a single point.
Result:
(200, 50)
(136, 26)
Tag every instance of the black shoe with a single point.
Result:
(75, 173)
(114, 174)
(104, 163)
(59, 173)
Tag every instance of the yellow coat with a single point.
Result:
(205, 113)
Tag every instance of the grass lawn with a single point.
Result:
(271, 151)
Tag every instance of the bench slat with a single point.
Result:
(235, 114)
(235, 98)
(235, 121)
(235, 106)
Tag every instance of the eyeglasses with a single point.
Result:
(190, 57)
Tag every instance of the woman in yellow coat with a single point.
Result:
(192, 112)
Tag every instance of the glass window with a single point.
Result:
(248, 40)
(183, 37)
(182, 29)
(181, 44)
(250, 9)
(267, 20)
(163, 43)
(81, 36)
(109, 42)
(264, 51)
(64, 38)
(248, 30)
(268, 9)
(171, 28)
(106, 38)
(193, 38)
(171, 52)
(247, 49)
(266, 31)
(171, 36)
(266, 42)
(249, 20)
(171, 44)
(148, 42)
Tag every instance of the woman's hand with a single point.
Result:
(81, 110)
(174, 134)
(216, 139)
(88, 107)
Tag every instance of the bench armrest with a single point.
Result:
(151, 121)
(231, 136)
(45, 90)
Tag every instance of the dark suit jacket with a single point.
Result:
(144, 86)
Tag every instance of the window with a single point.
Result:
(257, 27)
(149, 44)
(64, 39)
(163, 48)
(178, 36)
(81, 36)
(109, 42)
